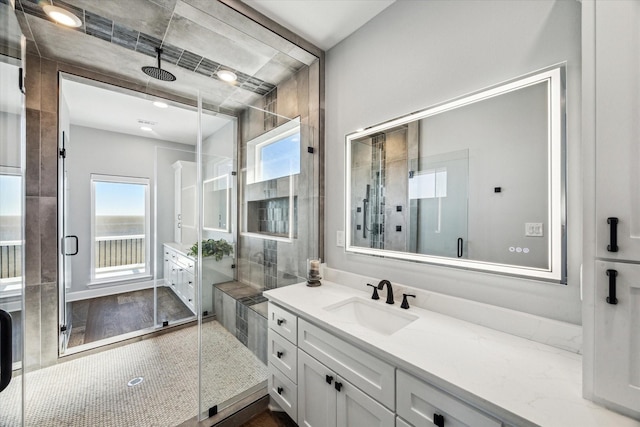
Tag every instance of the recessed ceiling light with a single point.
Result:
(160, 104)
(146, 128)
(227, 76)
(62, 16)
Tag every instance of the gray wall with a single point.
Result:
(417, 54)
(9, 140)
(98, 151)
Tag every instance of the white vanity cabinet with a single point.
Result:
(185, 202)
(179, 275)
(326, 399)
(617, 334)
(283, 363)
(422, 404)
(616, 351)
(321, 380)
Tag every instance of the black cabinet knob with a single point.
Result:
(279, 354)
(280, 321)
(438, 420)
(338, 386)
(280, 390)
(329, 379)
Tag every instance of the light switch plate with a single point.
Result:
(340, 238)
(533, 229)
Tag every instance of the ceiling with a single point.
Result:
(324, 23)
(198, 37)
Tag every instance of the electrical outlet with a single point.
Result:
(533, 229)
(340, 238)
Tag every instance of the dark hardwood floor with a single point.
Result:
(270, 419)
(105, 317)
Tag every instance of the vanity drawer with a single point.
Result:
(186, 263)
(283, 355)
(418, 402)
(370, 374)
(283, 322)
(283, 391)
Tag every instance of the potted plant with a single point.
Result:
(212, 247)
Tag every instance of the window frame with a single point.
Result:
(118, 179)
(256, 145)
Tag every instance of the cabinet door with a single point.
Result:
(422, 404)
(356, 409)
(617, 335)
(316, 394)
(617, 127)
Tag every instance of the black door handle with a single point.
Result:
(613, 234)
(328, 379)
(460, 243)
(65, 246)
(611, 299)
(338, 386)
(6, 351)
(438, 419)
(280, 390)
(279, 354)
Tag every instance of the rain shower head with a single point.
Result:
(158, 72)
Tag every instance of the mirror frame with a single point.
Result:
(556, 271)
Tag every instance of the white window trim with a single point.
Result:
(147, 241)
(255, 146)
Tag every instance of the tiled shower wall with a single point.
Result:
(265, 262)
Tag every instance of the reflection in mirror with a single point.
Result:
(215, 198)
(476, 182)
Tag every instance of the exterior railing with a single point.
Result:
(10, 259)
(114, 251)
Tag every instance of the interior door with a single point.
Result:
(12, 197)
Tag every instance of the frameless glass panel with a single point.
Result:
(12, 196)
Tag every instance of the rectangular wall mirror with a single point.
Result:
(215, 198)
(476, 183)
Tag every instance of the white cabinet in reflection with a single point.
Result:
(185, 202)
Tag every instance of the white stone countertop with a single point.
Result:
(515, 379)
(183, 249)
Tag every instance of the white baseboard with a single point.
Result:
(111, 290)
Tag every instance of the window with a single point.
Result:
(275, 154)
(429, 184)
(10, 233)
(120, 228)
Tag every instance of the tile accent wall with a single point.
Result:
(242, 310)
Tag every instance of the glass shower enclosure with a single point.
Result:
(12, 199)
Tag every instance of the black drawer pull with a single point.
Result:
(279, 354)
(438, 419)
(329, 379)
(280, 390)
(611, 299)
(338, 385)
(460, 247)
(280, 321)
(613, 234)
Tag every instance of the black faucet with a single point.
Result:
(389, 290)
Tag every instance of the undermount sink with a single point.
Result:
(374, 315)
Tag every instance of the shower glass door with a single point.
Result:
(12, 196)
